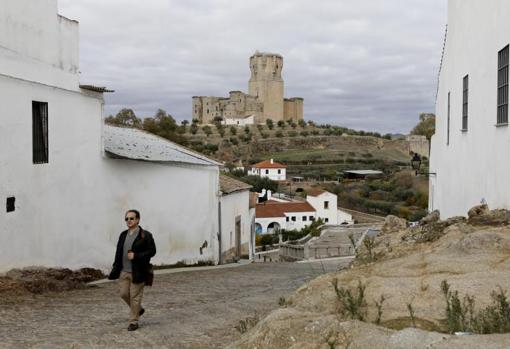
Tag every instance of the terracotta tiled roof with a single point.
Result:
(268, 164)
(315, 191)
(278, 209)
(229, 185)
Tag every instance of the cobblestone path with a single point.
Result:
(192, 309)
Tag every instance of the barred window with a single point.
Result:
(39, 132)
(503, 86)
(465, 94)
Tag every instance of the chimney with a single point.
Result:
(272, 161)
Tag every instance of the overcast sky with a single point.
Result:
(364, 64)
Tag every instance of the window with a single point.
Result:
(39, 132)
(293, 218)
(448, 122)
(267, 171)
(312, 218)
(287, 219)
(304, 218)
(465, 88)
(279, 171)
(503, 86)
(326, 205)
(10, 204)
(326, 220)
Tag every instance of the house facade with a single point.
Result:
(237, 234)
(66, 180)
(468, 162)
(326, 206)
(272, 216)
(270, 169)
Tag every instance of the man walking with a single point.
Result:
(135, 248)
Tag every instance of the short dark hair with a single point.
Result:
(137, 214)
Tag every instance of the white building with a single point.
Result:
(468, 153)
(326, 205)
(247, 120)
(66, 179)
(237, 235)
(272, 216)
(270, 169)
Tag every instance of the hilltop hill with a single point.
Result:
(307, 150)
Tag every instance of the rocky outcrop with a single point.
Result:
(481, 215)
(410, 265)
(392, 224)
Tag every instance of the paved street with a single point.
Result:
(191, 309)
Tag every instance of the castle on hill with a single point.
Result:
(264, 100)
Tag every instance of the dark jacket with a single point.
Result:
(144, 249)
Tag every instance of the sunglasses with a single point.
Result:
(129, 219)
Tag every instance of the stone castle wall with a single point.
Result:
(264, 99)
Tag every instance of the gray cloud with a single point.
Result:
(366, 64)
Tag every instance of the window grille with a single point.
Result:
(503, 86)
(465, 94)
(40, 132)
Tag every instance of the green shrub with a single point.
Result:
(462, 317)
(352, 302)
(292, 134)
(233, 130)
(279, 134)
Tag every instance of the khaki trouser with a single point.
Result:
(131, 294)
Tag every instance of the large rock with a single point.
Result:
(474, 261)
(481, 215)
(432, 217)
(393, 224)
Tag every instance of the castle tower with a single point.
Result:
(266, 83)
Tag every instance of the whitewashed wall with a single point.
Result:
(272, 173)
(69, 212)
(235, 205)
(38, 45)
(475, 164)
(331, 213)
(290, 225)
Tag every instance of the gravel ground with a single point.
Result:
(190, 309)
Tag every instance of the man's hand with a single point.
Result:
(131, 255)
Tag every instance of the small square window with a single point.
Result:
(11, 204)
(293, 218)
(312, 218)
(326, 205)
(287, 219)
(304, 218)
(326, 220)
(267, 171)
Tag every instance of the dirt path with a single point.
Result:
(195, 309)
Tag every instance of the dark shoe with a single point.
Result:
(142, 311)
(132, 327)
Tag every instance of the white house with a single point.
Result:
(469, 163)
(270, 169)
(66, 180)
(272, 216)
(247, 120)
(237, 235)
(325, 204)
